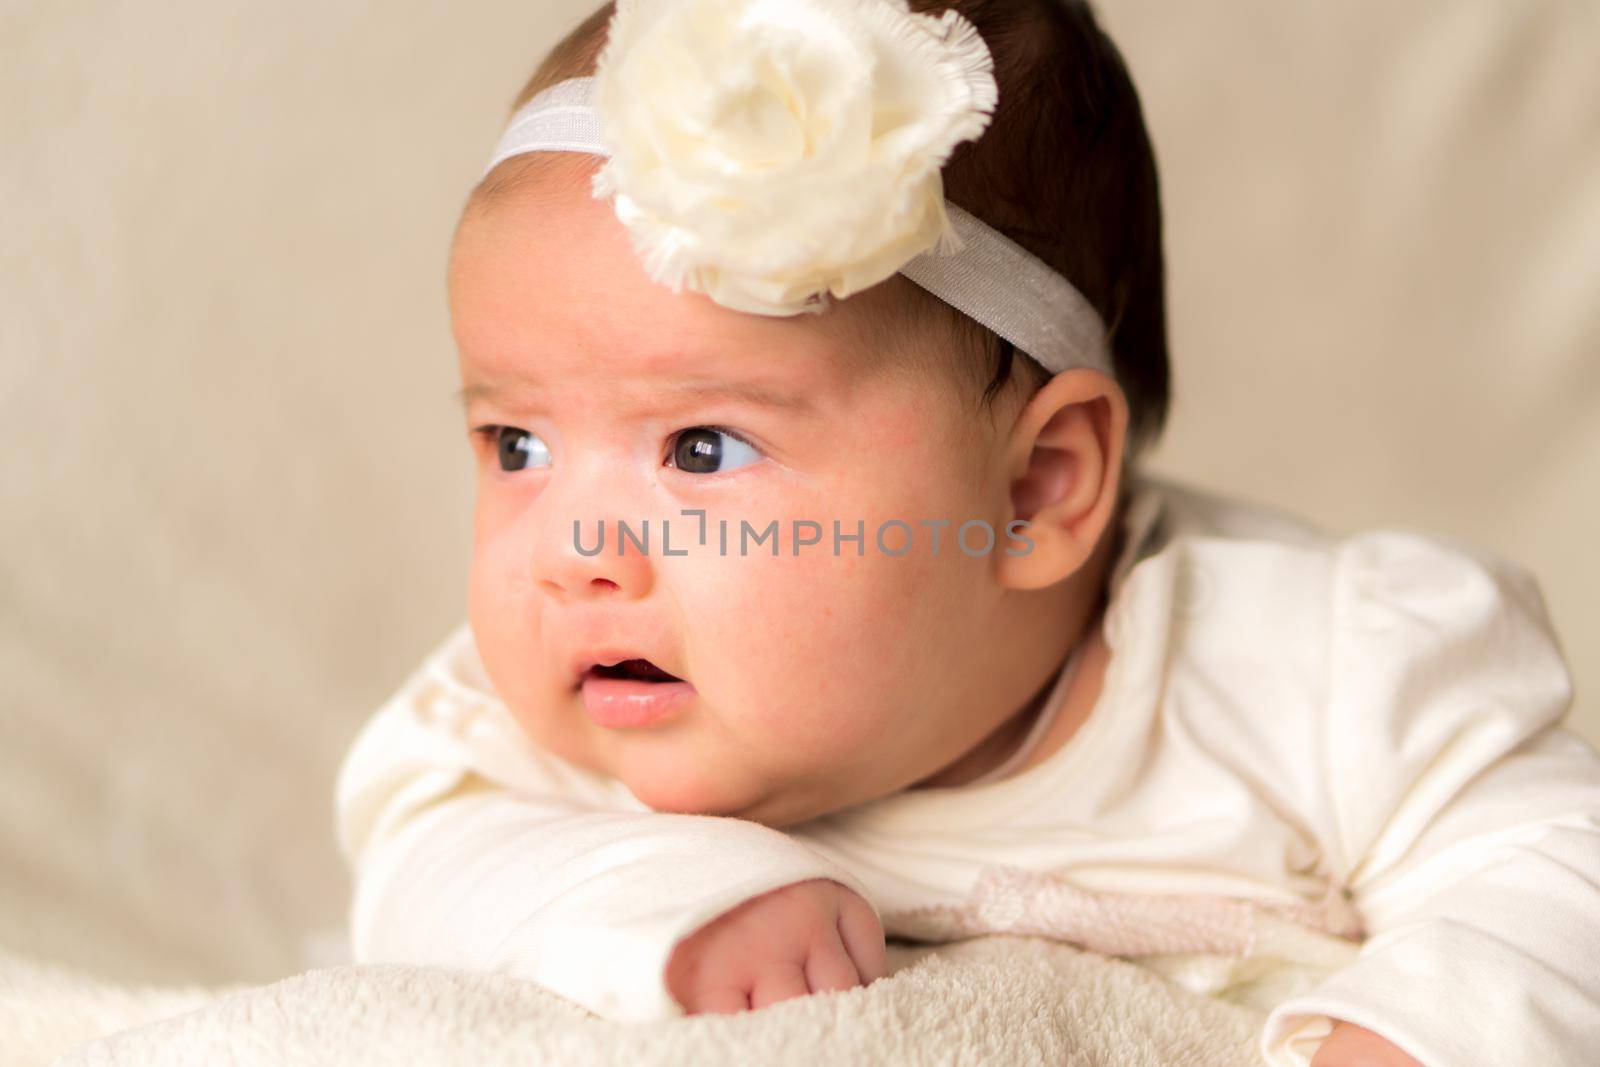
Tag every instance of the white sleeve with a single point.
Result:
(470, 847)
(1463, 818)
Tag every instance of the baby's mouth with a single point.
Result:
(639, 670)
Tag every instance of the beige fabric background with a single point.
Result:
(235, 501)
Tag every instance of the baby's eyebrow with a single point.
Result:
(695, 389)
(747, 391)
(478, 391)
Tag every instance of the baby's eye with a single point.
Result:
(707, 450)
(516, 446)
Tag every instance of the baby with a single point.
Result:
(817, 593)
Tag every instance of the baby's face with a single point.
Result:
(819, 679)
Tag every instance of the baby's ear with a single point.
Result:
(1064, 462)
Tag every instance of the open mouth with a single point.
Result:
(638, 670)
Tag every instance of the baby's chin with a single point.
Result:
(773, 804)
(691, 791)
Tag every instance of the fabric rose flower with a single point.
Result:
(771, 152)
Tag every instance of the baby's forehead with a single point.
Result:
(539, 255)
(537, 252)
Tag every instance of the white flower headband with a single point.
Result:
(771, 153)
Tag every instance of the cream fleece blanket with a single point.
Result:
(991, 999)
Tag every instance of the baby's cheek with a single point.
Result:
(765, 627)
(814, 650)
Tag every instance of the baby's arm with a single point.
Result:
(1463, 818)
(471, 848)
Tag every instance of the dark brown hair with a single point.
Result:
(1065, 169)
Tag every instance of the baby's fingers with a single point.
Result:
(862, 937)
(829, 967)
(778, 983)
(719, 1001)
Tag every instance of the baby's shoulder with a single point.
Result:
(1283, 577)
(1281, 641)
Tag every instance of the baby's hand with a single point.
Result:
(1349, 1045)
(809, 937)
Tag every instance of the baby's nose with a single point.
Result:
(592, 559)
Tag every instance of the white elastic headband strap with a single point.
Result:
(992, 279)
